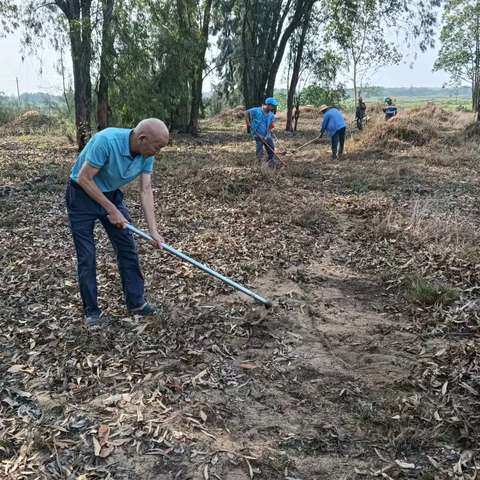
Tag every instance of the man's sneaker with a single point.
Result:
(146, 310)
(96, 320)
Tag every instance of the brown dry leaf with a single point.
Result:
(248, 366)
(103, 434)
(105, 451)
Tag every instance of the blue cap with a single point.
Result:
(271, 101)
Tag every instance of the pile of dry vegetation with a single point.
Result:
(232, 114)
(29, 122)
(413, 128)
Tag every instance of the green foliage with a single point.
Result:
(459, 54)
(8, 16)
(155, 57)
(460, 31)
(316, 95)
(412, 92)
(358, 28)
(8, 111)
(252, 37)
(11, 107)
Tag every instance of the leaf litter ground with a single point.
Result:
(353, 374)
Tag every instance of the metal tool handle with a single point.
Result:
(308, 143)
(268, 147)
(202, 267)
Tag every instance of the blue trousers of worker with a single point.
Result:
(270, 150)
(83, 212)
(261, 146)
(338, 142)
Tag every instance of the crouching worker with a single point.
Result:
(390, 110)
(334, 124)
(260, 123)
(111, 159)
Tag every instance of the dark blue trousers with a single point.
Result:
(83, 212)
(261, 146)
(338, 142)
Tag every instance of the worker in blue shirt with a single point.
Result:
(390, 110)
(112, 158)
(334, 124)
(260, 123)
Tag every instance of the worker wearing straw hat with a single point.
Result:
(334, 124)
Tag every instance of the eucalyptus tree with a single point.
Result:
(459, 53)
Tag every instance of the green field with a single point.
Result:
(449, 103)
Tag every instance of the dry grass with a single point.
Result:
(430, 222)
(312, 218)
(402, 131)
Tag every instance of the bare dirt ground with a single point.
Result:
(366, 367)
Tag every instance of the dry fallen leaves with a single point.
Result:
(174, 390)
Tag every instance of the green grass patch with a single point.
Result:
(422, 291)
(359, 186)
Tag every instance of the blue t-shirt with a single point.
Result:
(333, 121)
(109, 151)
(390, 110)
(260, 121)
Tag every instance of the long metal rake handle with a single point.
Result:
(308, 143)
(201, 266)
(262, 139)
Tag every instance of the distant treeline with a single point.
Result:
(39, 100)
(370, 92)
(12, 106)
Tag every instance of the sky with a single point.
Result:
(38, 73)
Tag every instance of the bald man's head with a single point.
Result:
(150, 136)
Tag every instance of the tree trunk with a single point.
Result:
(62, 67)
(355, 97)
(296, 115)
(78, 13)
(252, 70)
(197, 80)
(261, 32)
(303, 9)
(103, 110)
(476, 69)
(296, 71)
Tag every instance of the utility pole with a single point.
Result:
(18, 93)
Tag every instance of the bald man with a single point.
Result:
(111, 159)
